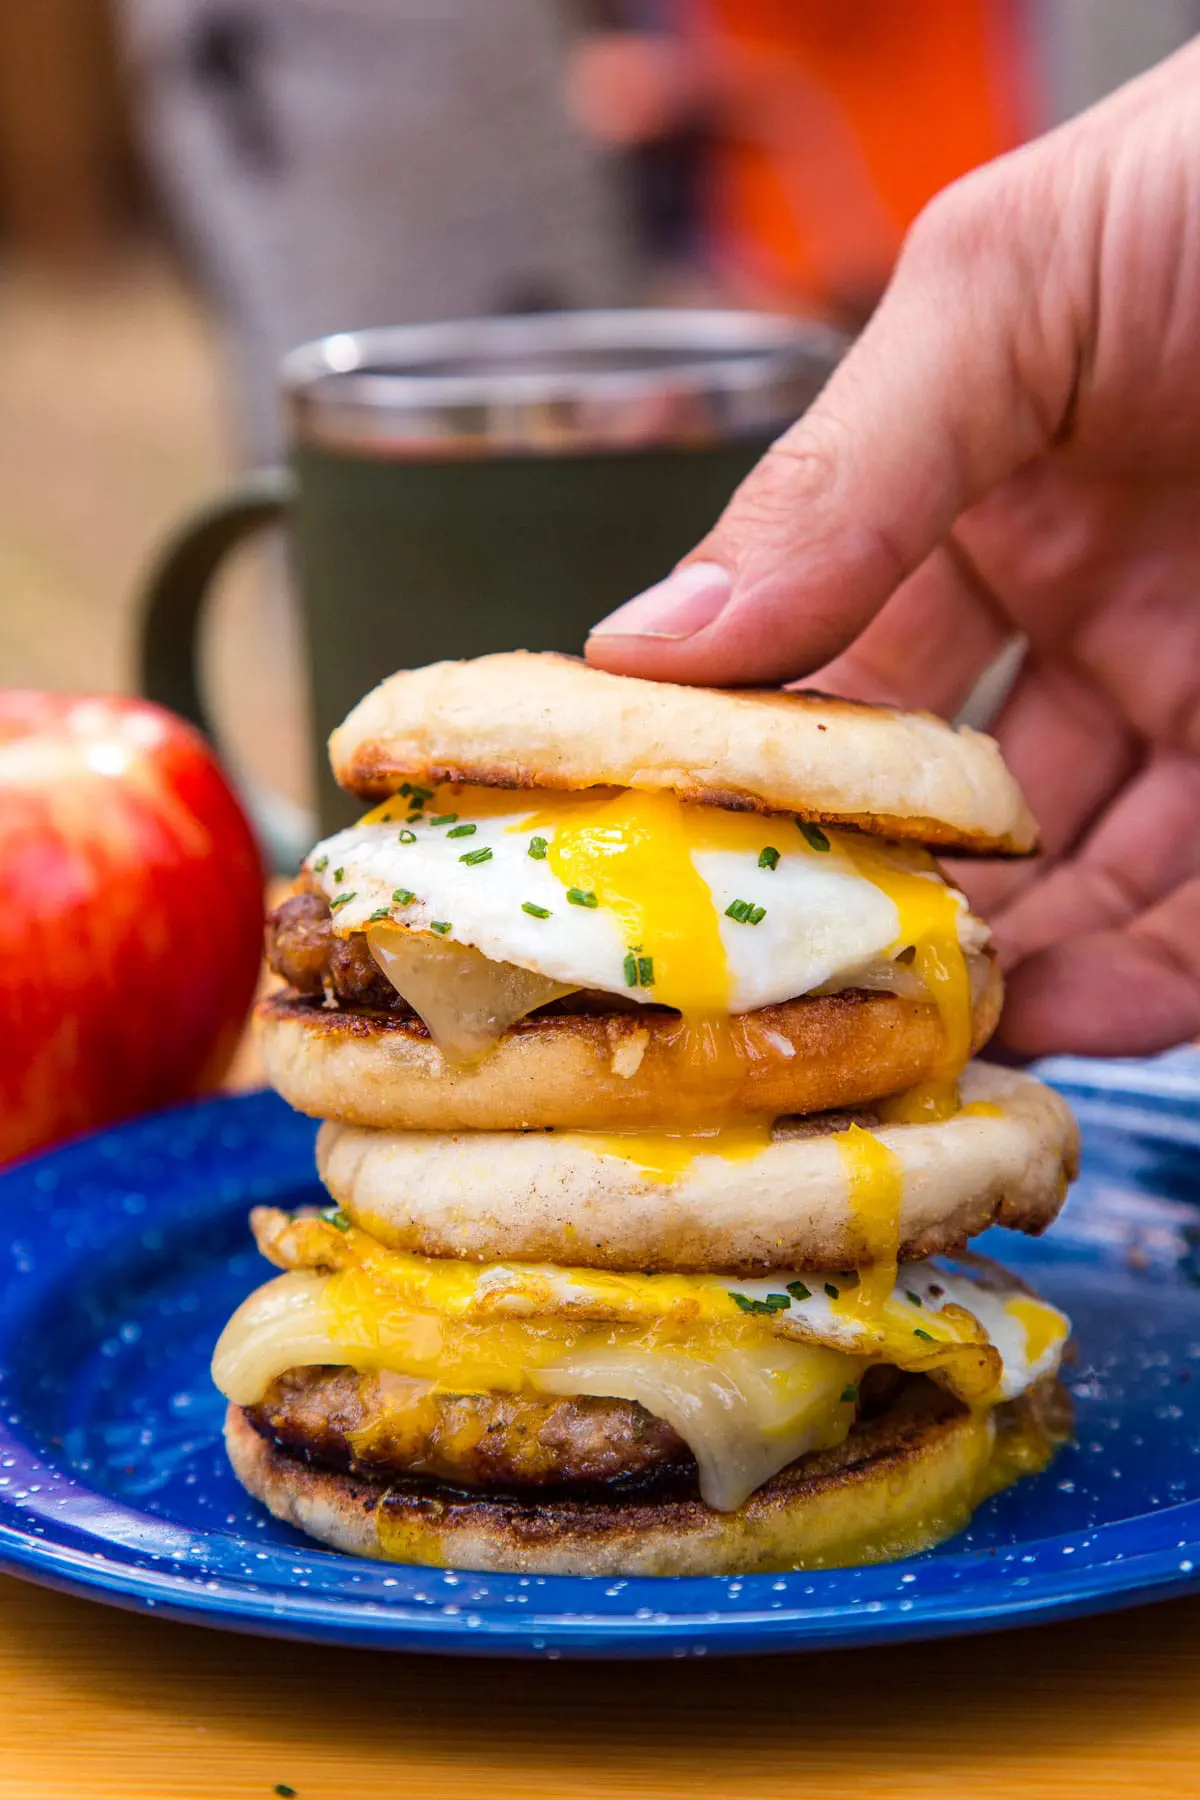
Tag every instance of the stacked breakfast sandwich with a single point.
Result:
(640, 1020)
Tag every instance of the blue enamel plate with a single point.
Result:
(122, 1255)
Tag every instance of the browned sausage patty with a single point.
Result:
(303, 949)
(375, 1423)
(382, 1424)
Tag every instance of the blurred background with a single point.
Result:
(190, 187)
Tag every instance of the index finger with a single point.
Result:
(949, 389)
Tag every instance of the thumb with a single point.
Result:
(958, 379)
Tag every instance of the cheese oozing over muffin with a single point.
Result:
(750, 1373)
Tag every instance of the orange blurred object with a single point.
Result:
(131, 916)
(838, 120)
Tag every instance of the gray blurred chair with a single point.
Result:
(340, 163)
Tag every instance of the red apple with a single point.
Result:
(130, 914)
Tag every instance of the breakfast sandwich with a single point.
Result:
(640, 1020)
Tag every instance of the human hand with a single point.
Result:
(1012, 445)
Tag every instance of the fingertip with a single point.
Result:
(617, 653)
(683, 603)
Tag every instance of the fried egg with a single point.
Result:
(937, 1315)
(639, 894)
(750, 1373)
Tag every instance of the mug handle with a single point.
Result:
(169, 633)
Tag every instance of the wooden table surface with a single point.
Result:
(97, 1704)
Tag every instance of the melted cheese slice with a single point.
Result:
(750, 1373)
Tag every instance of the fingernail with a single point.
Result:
(684, 603)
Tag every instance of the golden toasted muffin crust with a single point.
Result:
(599, 1071)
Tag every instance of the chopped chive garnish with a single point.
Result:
(849, 1393)
(284, 1792)
(321, 864)
(631, 974)
(416, 818)
(582, 897)
(408, 837)
(910, 1296)
(381, 912)
(813, 836)
(927, 1335)
(444, 819)
(340, 900)
(646, 970)
(745, 912)
(441, 926)
(772, 1304)
(460, 830)
(403, 897)
(537, 849)
(768, 858)
(338, 874)
(831, 1290)
(798, 1291)
(483, 854)
(416, 795)
(333, 1215)
(535, 912)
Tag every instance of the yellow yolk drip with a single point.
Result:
(633, 852)
(982, 1109)
(663, 1154)
(876, 1189)
(929, 916)
(1043, 1326)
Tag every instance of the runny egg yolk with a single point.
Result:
(1043, 1325)
(929, 924)
(632, 853)
(875, 1183)
(665, 1154)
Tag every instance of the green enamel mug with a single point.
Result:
(481, 485)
